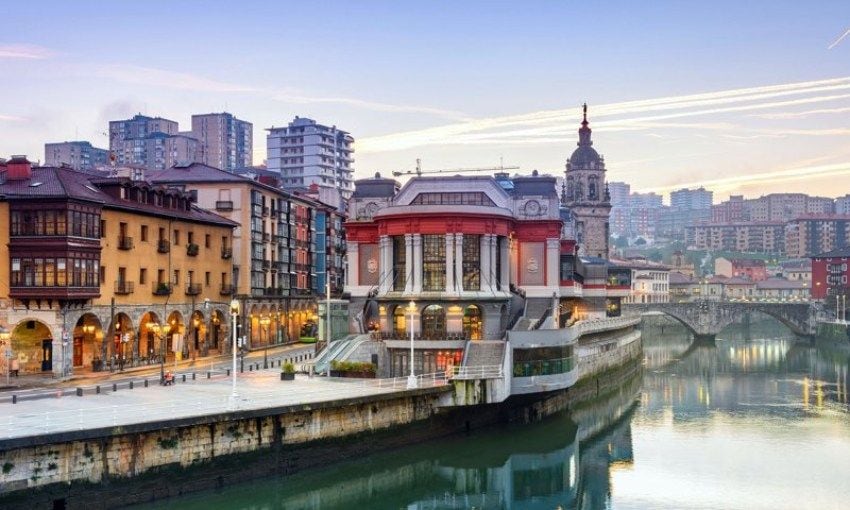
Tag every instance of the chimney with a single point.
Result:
(18, 169)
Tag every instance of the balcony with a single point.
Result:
(226, 253)
(267, 264)
(125, 243)
(226, 290)
(163, 246)
(224, 205)
(273, 291)
(192, 249)
(265, 212)
(266, 237)
(162, 289)
(193, 289)
(123, 287)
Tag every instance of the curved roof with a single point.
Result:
(583, 156)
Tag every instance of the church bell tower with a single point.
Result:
(586, 195)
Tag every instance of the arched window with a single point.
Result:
(400, 321)
(434, 322)
(593, 188)
(473, 323)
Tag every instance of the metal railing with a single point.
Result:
(125, 243)
(400, 383)
(481, 372)
(123, 287)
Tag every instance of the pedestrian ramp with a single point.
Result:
(338, 350)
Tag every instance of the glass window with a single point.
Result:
(399, 257)
(471, 262)
(434, 322)
(433, 263)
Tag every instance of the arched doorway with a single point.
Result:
(32, 346)
(150, 336)
(197, 345)
(434, 322)
(175, 344)
(88, 342)
(400, 321)
(217, 327)
(473, 322)
(122, 344)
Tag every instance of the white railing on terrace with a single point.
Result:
(608, 323)
(482, 372)
(400, 383)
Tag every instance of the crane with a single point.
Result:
(419, 171)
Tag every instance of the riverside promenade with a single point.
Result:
(257, 390)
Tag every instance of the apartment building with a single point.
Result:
(228, 142)
(745, 237)
(79, 155)
(306, 152)
(103, 273)
(152, 142)
(274, 251)
(812, 235)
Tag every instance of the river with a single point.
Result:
(754, 420)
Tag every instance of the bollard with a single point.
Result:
(114, 386)
(14, 399)
(250, 368)
(131, 385)
(193, 376)
(184, 377)
(97, 389)
(208, 374)
(79, 392)
(146, 383)
(228, 372)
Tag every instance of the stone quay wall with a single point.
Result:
(119, 466)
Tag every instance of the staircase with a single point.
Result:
(484, 353)
(339, 350)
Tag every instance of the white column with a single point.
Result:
(353, 256)
(417, 263)
(553, 257)
(450, 281)
(485, 262)
(459, 263)
(408, 263)
(506, 264)
(493, 255)
(384, 275)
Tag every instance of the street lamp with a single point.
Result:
(234, 311)
(411, 379)
(264, 322)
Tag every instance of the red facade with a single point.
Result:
(829, 276)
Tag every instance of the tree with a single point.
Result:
(640, 241)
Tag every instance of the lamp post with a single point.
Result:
(411, 379)
(264, 322)
(234, 311)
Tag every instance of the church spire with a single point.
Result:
(584, 131)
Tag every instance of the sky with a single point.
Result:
(741, 97)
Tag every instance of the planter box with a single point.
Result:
(353, 375)
(287, 376)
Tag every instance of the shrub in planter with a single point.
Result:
(358, 369)
(307, 339)
(287, 372)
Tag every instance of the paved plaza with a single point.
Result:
(259, 389)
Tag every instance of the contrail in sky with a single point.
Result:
(837, 41)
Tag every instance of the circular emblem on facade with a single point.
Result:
(532, 208)
(532, 266)
(372, 266)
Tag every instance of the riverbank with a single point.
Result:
(122, 465)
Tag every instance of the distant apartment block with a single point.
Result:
(786, 206)
(813, 235)
(306, 152)
(633, 214)
(228, 142)
(732, 210)
(746, 237)
(842, 205)
(79, 155)
(752, 269)
(152, 142)
(691, 199)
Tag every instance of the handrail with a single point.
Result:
(477, 372)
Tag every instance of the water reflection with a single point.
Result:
(755, 419)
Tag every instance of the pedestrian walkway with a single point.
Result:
(257, 390)
(33, 382)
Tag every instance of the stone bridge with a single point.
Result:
(707, 318)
